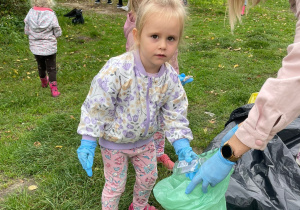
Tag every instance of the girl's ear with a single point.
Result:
(135, 36)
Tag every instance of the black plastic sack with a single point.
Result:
(268, 179)
(77, 14)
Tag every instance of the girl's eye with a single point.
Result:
(171, 38)
(154, 36)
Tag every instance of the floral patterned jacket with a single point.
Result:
(123, 103)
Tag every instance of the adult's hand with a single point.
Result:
(213, 171)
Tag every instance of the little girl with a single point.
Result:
(159, 136)
(42, 28)
(124, 102)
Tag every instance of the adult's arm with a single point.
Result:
(277, 104)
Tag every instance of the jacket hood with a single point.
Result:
(40, 19)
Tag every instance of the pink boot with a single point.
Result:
(53, 87)
(148, 207)
(165, 160)
(243, 10)
(44, 82)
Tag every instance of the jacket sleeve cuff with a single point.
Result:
(86, 137)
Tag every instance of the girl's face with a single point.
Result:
(158, 41)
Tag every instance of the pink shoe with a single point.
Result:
(44, 81)
(53, 87)
(165, 160)
(148, 207)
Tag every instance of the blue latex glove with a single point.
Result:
(184, 150)
(229, 134)
(182, 77)
(86, 153)
(213, 171)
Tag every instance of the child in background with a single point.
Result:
(159, 136)
(124, 102)
(42, 28)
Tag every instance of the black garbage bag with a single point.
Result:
(268, 179)
(77, 14)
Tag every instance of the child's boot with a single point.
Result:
(148, 207)
(44, 82)
(165, 160)
(243, 10)
(53, 87)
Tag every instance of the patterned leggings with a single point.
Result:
(115, 171)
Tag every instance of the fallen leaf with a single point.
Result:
(72, 117)
(37, 144)
(58, 147)
(32, 187)
(212, 121)
(205, 130)
(236, 65)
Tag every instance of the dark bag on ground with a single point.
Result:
(268, 179)
(77, 14)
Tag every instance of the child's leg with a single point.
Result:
(145, 165)
(50, 62)
(42, 70)
(115, 172)
(41, 65)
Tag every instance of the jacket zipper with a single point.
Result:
(148, 106)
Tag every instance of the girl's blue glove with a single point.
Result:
(184, 150)
(213, 171)
(185, 79)
(86, 153)
(229, 134)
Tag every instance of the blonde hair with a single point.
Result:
(43, 3)
(235, 7)
(134, 5)
(166, 9)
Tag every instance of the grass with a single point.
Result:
(38, 138)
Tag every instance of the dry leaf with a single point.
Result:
(205, 130)
(32, 187)
(37, 144)
(58, 146)
(72, 117)
(236, 65)
(212, 121)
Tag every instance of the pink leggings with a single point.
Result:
(115, 171)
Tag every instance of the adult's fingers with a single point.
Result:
(193, 184)
(205, 186)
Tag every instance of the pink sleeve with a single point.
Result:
(128, 27)
(278, 101)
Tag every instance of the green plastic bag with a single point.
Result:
(170, 192)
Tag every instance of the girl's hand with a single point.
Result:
(86, 153)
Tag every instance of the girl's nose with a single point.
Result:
(162, 44)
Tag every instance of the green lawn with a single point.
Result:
(38, 138)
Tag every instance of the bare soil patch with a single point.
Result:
(17, 186)
(89, 5)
